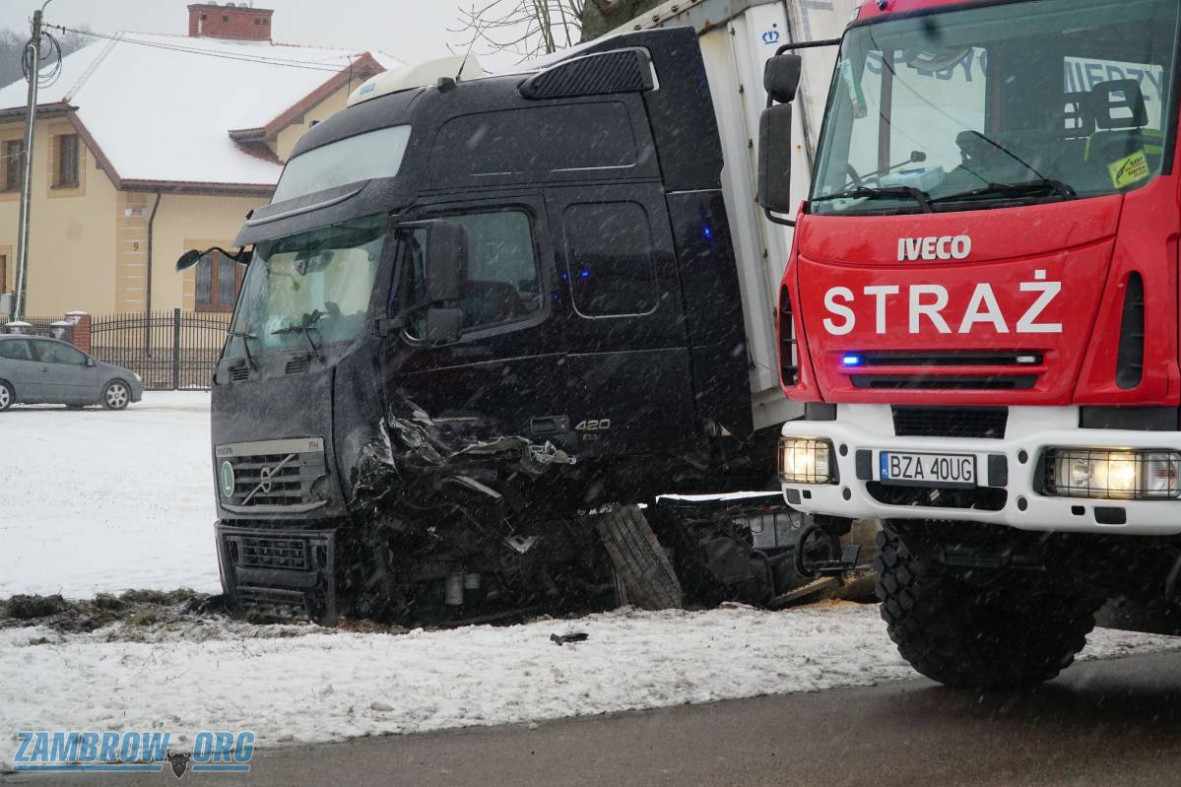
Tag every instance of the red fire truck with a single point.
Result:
(980, 313)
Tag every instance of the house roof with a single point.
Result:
(160, 108)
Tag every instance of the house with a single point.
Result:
(147, 145)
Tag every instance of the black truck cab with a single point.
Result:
(474, 311)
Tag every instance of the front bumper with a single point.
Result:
(1008, 474)
(285, 567)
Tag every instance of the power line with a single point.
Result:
(263, 60)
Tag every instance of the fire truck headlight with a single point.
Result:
(806, 460)
(1113, 474)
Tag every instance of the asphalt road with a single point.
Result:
(1102, 723)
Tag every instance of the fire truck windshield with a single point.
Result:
(308, 289)
(999, 105)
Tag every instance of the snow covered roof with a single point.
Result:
(160, 108)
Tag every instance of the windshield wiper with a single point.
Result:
(869, 192)
(1026, 188)
(305, 327)
(246, 339)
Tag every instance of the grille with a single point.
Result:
(959, 382)
(274, 473)
(951, 358)
(239, 374)
(283, 485)
(296, 366)
(789, 365)
(275, 553)
(981, 422)
(1129, 367)
(982, 499)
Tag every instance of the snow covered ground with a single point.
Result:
(299, 683)
(95, 501)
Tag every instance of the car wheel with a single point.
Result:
(116, 395)
(7, 397)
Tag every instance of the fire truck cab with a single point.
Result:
(980, 313)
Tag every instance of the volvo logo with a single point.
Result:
(266, 477)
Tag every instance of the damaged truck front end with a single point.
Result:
(481, 319)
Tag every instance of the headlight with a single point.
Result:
(1113, 474)
(137, 377)
(806, 460)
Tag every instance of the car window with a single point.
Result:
(53, 352)
(14, 350)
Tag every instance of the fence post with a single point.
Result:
(81, 323)
(176, 349)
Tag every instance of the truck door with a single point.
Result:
(630, 377)
(505, 373)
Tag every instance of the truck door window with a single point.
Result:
(503, 283)
(609, 259)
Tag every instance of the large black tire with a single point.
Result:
(972, 636)
(644, 575)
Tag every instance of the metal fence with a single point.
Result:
(170, 350)
(52, 327)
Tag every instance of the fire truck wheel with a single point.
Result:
(972, 637)
(644, 575)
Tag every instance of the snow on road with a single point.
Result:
(300, 683)
(95, 501)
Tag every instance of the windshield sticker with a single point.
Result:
(1130, 169)
(856, 96)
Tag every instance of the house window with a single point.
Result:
(13, 169)
(218, 282)
(67, 161)
(3, 273)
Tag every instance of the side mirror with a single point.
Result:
(775, 161)
(445, 264)
(89, 361)
(188, 260)
(781, 77)
(192, 257)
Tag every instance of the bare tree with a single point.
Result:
(525, 28)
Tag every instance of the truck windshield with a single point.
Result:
(308, 289)
(999, 105)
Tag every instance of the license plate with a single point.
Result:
(927, 469)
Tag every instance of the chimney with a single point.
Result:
(232, 20)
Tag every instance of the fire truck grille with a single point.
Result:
(957, 382)
(978, 422)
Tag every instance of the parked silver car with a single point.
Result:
(35, 370)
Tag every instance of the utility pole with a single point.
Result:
(32, 59)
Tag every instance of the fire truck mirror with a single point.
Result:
(775, 159)
(781, 77)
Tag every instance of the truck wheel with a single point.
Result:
(643, 571)
(972, 637)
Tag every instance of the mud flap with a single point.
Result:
(644, 574)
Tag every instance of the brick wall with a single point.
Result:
(218, 21)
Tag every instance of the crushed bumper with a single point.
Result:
(283, 567)
(1009, 477)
